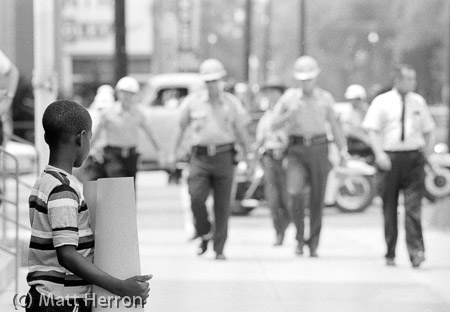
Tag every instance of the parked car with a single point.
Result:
(161, 97)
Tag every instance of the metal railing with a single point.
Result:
(10, 173)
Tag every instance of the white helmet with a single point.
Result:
(105, 89)
(306, 67)
(355, 91)
(212, 69)
(128, 83)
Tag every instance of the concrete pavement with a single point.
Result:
(350, 274)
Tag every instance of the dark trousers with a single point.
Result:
(36, 302)
(120, 162)
(407, 174)
(307, 173)
(276, 192)
(216, 173)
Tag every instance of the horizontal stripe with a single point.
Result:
(46, 268)
(62, 202)
(41, 234)
(67, 228)
(52, 279)
(58, 280)
(85, 232)
(84, 239)
(33, 204)
(49, 273)
(39, 246)
(60, 191)
(40, 240)
(39, 194)
(86, 245)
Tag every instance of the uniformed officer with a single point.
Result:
(216, 125)
(120, 126)
(305, 112)
(272, 144)
(357, 137)
(401, 131)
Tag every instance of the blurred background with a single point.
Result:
(355, 41)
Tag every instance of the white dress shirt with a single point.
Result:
(385, 116)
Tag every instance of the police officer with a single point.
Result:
(272, 144)
(216, 124)
(120, 126)
(357, 137)
(305, 112)
(401, 131)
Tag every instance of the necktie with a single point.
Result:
(403, 116)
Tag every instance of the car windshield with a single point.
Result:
(170, 97)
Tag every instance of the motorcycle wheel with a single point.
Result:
(437, 184)
(355, 193)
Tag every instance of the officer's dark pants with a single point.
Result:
(276, 192)
(407, 173)
(120, 162)
(308, 168)
(216, 173)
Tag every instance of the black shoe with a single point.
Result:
(299, 250)
(220, 256)
(203, 247)
(417, 259)
(390, 262)
(313, 253)
(279, 240)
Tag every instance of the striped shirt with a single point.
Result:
(59, 216)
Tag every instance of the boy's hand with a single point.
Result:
(136, 286)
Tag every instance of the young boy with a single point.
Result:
(61, 271)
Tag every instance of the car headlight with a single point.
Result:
(441, 148)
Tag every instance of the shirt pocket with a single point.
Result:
(199, 119)
(416, 120)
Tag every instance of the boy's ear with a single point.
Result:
(79, 137)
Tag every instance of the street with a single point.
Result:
(349, 275)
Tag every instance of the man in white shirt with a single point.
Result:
(10, 72)
(401, 132)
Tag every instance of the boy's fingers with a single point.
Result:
(144, 278)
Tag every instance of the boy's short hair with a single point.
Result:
(63, 119)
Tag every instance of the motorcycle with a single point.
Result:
(350, 187)
(248, 188)
(437, 173)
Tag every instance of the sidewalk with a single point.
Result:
(350, 274)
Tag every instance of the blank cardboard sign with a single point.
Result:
(112, 204)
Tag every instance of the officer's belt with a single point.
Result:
(212, 149)
(308, 140)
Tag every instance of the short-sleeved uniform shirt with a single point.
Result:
(122, 127)
(313, 113)
(385, 116)
(5, 63)
(272, 139)
(212, 124)
(59, 216)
